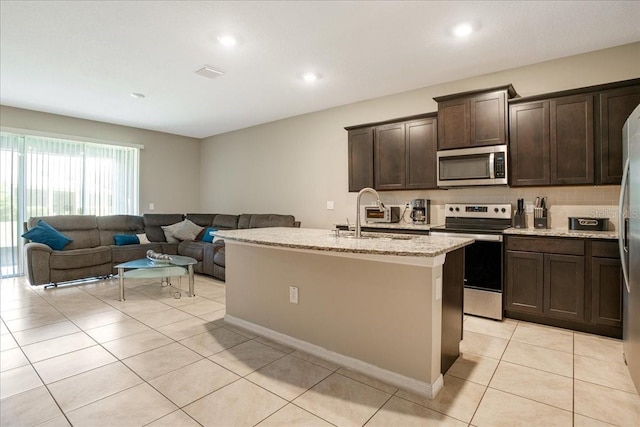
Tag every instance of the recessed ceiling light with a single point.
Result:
(227, 40)
(137, 95)
(462, 30)
(310, 77)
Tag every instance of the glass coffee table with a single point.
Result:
(146, 268)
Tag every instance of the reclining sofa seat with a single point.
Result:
(202, 251)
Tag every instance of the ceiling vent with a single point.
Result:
(209, 72)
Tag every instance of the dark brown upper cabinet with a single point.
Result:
(571, 140)
(614, 107)
(529, 144)
(571, 137)
(398, 154)
(360, 144)
(421, 139)
(389, 157)
(473, 119)
(551, 142)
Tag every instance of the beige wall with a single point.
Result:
(296, 165)
(169, 164)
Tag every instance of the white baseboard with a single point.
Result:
(421, 388)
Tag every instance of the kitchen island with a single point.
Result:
(386, 306)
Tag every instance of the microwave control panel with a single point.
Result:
(499, 165)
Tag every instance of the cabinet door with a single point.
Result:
(360, 159)
(615, 106)
(606, 289)
(564, 286)
(571, 138)
(529, 144)
(420, 152)
(488, 119)
(389, 157)
(453, 124)
(525, 281)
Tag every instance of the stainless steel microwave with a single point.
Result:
(469, 167)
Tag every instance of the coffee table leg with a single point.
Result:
(191, 284)
(121, 280)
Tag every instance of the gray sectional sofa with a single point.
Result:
(92, 253)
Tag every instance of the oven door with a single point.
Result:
(483, 280)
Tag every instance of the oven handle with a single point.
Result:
(478, 237)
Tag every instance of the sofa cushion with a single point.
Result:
(225, 222)
(193, 249)
(218, 258)
(188, 230)
(203, 220)
(126, 239)
(46, 234)
(111, 225)
(81, 229)
(271, 220)
(244, 220)
(209, 234)
(143, 239)
(80, 258)
(121, 254)
(153, 222)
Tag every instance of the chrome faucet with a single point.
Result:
(378, 202)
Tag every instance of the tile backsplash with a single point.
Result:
(562, 202)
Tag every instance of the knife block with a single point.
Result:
(520, 220)
(540, 218)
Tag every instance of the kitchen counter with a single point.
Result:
(387, 306)
(326, 240)
(562, 232)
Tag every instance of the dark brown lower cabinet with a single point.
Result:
(525, 281)
(566, 282)
(564, 286)
(606, 288)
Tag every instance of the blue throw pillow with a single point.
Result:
(44, 233)
(209, 234)
(126, 239)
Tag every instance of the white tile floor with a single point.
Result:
(77, 356)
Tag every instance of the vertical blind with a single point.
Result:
(47, 176)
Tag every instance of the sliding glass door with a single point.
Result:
(42, 176)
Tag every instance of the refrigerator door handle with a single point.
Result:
(622, 233)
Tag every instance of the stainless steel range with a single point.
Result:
(483, 279)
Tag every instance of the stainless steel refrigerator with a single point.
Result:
(629, 241)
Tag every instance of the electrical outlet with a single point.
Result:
(293, 294)
(152, 206)
(329, 204)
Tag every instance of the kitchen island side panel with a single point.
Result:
(382, 313)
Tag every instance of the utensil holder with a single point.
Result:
(540, 218)
(520, 220)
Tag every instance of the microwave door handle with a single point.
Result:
(622, 226)
(492, 172)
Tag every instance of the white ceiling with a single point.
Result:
(83, 59)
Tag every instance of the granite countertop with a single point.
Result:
(563, 232)
(326, 240)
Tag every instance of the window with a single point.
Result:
(42, 176)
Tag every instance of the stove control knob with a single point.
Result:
(450, 209)
(495, 210)
(457, 209)
(503, 210)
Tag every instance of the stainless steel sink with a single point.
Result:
(368, 236)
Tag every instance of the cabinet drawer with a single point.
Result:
(605, 249)
(546, 245)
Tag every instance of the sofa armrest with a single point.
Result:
(37, 256)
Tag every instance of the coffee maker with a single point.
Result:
(420, 211)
